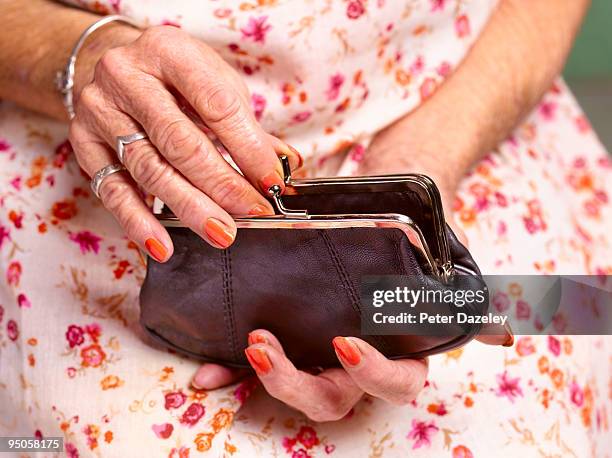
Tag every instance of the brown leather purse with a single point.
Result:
(298, 273)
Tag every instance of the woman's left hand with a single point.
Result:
(331, 394)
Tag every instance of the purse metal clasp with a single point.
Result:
(275, 194)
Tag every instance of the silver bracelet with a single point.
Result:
(64, 80)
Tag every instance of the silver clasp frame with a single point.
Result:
(275, 194)
(301, 219)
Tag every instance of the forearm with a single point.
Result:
(36, 38)
(511, 65)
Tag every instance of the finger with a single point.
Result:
(178, 140)
(121, 197)
(151, 171)
(214, 91)
(397, 382)
(281, 148)
(325, 397)
(194, 208)
(264, 336)
(212, 376)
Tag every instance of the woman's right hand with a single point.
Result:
(141, 86)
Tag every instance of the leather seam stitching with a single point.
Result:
(345, 279)
(228, 314)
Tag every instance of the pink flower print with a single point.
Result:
(4, 145)
(421, 432)
(192, 415)
(4, 235)
(582, 124)
(74, 336)
(307, 437)
(288, 443)
(13, 273)
(71, 372)
(302, 116)
(244, 390)
(357, 152)
(12, 330)
(258, 102)
(508, 387)
(462, 26)
(576, 394)
(116, 5)
(16, 183)
(71, 450)
(62, 152)
(437, 5)
(329, 448)
(355, 9)
(174, 400)
(335, 83)
(163, 431)
(547, 110)
(523, 310)
(501, 199)
(182, 452)
(501, 302)
(256, 29)
(554, 345)
(444, 69)
(87, 241)
(94, 331)
(23, 301)
(417, 66)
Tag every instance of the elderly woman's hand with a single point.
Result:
(331, 394)
(171, 85)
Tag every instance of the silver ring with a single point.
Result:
(123, 140)
(101, 174)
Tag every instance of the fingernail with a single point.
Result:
(347, 350)
(201, 381)
(259, 360)
(156, 249)
(509, 336)
(260, 210)
(270, 180)
(299, 156)
(255, 338)
(219, 233)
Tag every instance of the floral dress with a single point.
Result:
(325, 75)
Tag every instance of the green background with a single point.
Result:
(592, 53)
(589, 69)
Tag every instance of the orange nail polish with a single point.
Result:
(255, 338)
(347, 350)
(156, 249)
(259, 360)
(270, 180)
(219, 232)
(260, 210)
